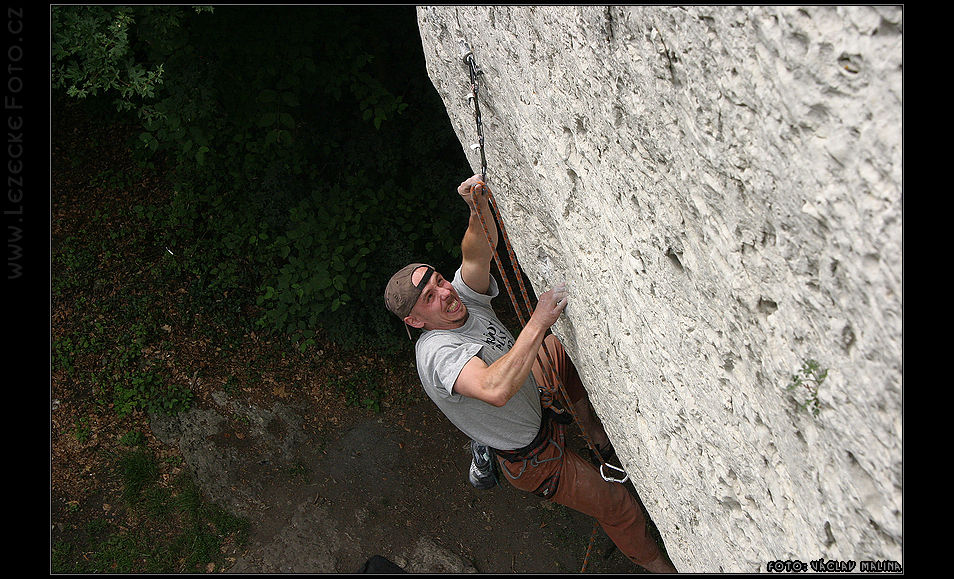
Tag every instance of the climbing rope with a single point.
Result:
(589, 547)
(549, 388)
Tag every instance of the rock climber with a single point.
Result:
(486, 383)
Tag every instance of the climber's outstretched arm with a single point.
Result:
(476, 252)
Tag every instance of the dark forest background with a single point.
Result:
(230, 190)
(308, 154)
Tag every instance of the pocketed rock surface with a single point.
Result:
(721, 187)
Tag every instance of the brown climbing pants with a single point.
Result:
(560, 475)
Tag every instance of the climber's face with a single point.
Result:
(438, 307)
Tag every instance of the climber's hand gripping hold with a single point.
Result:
(470, 192)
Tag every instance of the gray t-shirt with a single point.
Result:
(441, 354)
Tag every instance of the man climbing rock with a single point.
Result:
(487, 383)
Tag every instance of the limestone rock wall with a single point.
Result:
(721, 188)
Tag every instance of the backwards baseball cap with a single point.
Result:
(401, 294)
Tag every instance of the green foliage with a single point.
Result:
(82, 430)
(149, 391)
(805, 383)
(361, 390)
(133, 438)
(335, 259)
(124, 380)
(306, 171)
(110, 333)
(72, 260)
(92, 52)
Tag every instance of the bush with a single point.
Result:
(305, 171)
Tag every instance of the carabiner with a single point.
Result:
(611, 479)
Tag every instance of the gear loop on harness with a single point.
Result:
(534, 460)
(608, 478)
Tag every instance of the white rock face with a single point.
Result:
(721, 188)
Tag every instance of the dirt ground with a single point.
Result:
(392, 484)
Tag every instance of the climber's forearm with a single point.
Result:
(476, 250)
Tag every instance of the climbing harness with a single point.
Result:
(547, 390)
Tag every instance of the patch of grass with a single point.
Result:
(361, 390)
(115, 313)
(82, 429)
(138, 469)
(169, 529)
(133, 438)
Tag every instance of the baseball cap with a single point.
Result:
(401, 294)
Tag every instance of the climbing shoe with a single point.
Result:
(482, 472)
